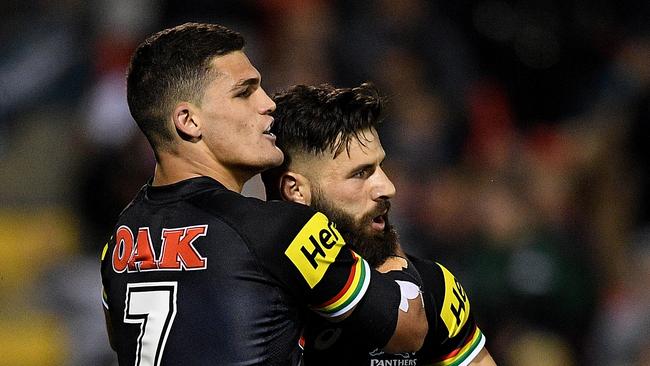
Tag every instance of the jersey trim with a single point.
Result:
(463, 355)
(104, 298)
(101, 258)
(351, 293)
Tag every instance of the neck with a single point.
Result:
(172, 167)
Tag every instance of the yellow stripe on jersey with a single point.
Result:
(465, 354)
(104, 252)
(351, 293)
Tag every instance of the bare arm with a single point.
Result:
(411, 329)
(412, 326)
(483, 359)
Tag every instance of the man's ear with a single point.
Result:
(295, 187)
(185, 122)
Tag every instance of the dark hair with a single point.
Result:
(171, 66)
(320, 119)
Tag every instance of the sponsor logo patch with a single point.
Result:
(315, 248)
(136, 253)
(455, 308)
(327, 338)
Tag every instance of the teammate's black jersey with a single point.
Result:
(453, 338)
(195, 274)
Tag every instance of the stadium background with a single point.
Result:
(517, 135)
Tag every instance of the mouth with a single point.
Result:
(267, 131)
(379, 222)
(379, 216)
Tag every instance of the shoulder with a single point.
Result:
(256, 220)
(245, 211)
(429, 270)
(434, 274)
(450, 299)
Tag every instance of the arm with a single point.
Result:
(412, 326)
(109, 328)
(454, 337)
(107, 315)
(386, 299)
(316, 265)
(483, 359)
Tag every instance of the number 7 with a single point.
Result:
(153, 306)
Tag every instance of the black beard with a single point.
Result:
(375, 247)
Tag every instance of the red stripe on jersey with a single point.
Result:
(455, 352)
(347, 284)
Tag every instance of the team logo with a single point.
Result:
(380, 358)
(315, 248)
(327, 338)
(455, 308)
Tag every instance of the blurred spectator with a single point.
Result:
(300, 44)
(622, 325)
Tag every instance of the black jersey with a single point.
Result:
(453, 337)
(195, 274)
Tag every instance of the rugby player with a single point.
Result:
(333, 162)
(196, 274)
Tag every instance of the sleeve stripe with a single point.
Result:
(104, 252)
(104, 298)
(345, 288)
(351, 293)
(466, 353)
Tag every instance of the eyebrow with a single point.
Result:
(245, 82)
(360, 167)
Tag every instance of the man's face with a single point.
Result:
(354, 191)
(235, 114)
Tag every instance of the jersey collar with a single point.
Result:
(179, 190)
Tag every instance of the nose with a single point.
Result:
(267, 105)
(384, 188)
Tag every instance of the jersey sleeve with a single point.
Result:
(103, 261)
(317, 260)
(456, 338)
(310, 257)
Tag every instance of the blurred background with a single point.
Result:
(516, 131)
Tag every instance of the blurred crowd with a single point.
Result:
(516, 131)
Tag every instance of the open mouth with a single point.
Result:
(268, 129)
(379, 222)
(379, 216)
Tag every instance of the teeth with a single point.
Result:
(268, 128)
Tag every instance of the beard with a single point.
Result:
(375, 247)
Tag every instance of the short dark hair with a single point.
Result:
(320, 119)
(170, 66)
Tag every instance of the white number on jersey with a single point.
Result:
(153, 306)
